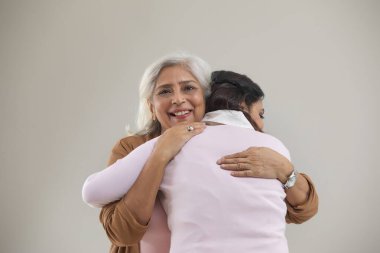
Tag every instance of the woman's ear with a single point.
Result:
(151, 109)
(244, 107)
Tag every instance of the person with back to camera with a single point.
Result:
(126, 220)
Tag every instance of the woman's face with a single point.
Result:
(177, 97)
(256, 111)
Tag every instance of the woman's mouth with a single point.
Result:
(180, 114)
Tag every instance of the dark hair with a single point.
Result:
(229, 90)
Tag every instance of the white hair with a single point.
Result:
(195, 65)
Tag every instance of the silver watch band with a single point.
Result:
(291, 180)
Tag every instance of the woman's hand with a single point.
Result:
(174, 138)
(267, 163)
(259, 162)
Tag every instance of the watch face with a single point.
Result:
(292, 181)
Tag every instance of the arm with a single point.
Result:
(301, 199)
(121, 227)
(140, 198)
(121, 220)
(126, 220)
(112, 183)
(303, 211)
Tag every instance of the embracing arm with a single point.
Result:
(112, 183)
(307, 204)
(301, 199)
(133, 182)
(262, 162)
(120, 224)
(141, 196)
(126, 219)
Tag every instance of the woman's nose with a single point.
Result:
(178, 99)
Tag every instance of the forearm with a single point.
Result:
(114, 182)
(299, 193)
(111, 185)
(120, 225)
(300, 211)
(134, 180)
(141, 197)
(125, 221)
(302, 198)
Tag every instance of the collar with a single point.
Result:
(228, 117)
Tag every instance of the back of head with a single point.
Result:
(230, 90)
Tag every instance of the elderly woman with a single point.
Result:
(173, 92)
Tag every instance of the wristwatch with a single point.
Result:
(291, 180)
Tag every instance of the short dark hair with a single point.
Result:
(229, 90)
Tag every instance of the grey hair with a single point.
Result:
(195, 65)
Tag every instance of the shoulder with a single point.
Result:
(125, 145)
(129, 143)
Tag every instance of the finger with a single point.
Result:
(193, 126)
(196, 131)
(255, 149)
(235, 166)
(198, 124)
(236, 155)
(184, 125)
(244, 173)
(231, 160)
(245, 153)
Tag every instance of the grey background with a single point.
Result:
(69, 73)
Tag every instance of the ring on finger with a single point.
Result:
(190, 128)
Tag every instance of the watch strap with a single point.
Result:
(291, 180)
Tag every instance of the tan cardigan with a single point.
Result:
(125, 232)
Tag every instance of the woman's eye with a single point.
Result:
(261, 115)
(163, 92)
(189, 88)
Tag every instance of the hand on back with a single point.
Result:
(174, 138)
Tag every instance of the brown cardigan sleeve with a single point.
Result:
(122, 228)
(301, 213)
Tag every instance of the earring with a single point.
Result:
(153, 116)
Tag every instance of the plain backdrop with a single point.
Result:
(69, 73)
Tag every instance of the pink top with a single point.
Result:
(208, 210)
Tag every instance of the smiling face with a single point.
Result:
(177, 97)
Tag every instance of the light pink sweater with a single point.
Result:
(208, 210)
